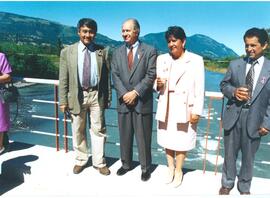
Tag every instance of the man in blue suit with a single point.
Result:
(246, 117)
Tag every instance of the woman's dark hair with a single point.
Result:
(261, 34)
(175, 31)
(90, 23)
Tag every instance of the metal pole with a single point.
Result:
(65, 133)
(220, 133)
(207, 132)
(56, 116)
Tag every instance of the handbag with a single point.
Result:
(9, 93)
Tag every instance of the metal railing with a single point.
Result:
(211, 96)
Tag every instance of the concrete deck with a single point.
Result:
(38, 171)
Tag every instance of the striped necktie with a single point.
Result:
(86, 70)
(250, 77)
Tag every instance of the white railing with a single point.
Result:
(209, 94)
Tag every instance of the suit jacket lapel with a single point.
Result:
(74, 60)
(242, 72)
(182, 70)
(263, 78)
(123, 55)
(99, 56)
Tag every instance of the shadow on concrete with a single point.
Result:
(109, 161)
(13, 171)
(15, 146)
(186, 170)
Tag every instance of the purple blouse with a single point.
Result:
(5, 68)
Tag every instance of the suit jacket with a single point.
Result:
(70, 90)
(259, 111)
(141, 77)
(189, 88)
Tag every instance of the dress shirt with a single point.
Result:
(257, 70)
(94, 69)
(135, 47)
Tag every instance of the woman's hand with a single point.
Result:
(194, 119)
(4, 78)
(161, 82)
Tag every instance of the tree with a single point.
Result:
(59, 46)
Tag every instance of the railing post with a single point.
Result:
(65, 133)
(219, 136)
(207, 132)
(56, 117)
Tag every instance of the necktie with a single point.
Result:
(250, 78)
(130, 58)
(86, 70)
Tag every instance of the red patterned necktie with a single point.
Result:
(86, 69)
(130, 58)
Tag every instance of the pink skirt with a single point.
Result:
(4, 117)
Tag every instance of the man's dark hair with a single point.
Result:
(175, 31)
(90, 23)
(261, 34)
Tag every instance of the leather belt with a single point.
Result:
(246, 106)
(90, 88)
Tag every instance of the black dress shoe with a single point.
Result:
(121, 171)
(145, 176)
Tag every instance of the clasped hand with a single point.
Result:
(130, 97)
(242, 94)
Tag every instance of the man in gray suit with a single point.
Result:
(247, 114)
(84, 86)
(133, 73)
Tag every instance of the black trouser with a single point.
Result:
(5, 139)
(141, 125)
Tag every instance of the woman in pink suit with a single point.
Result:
(180, 84)
(5, 70)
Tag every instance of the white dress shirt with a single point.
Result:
(134, 50)
(94, 69)
(257, 70)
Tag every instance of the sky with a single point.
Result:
(224, 21)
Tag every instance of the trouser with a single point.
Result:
(97, 131)
(141, 125)
(5, 139)
(236, 140)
